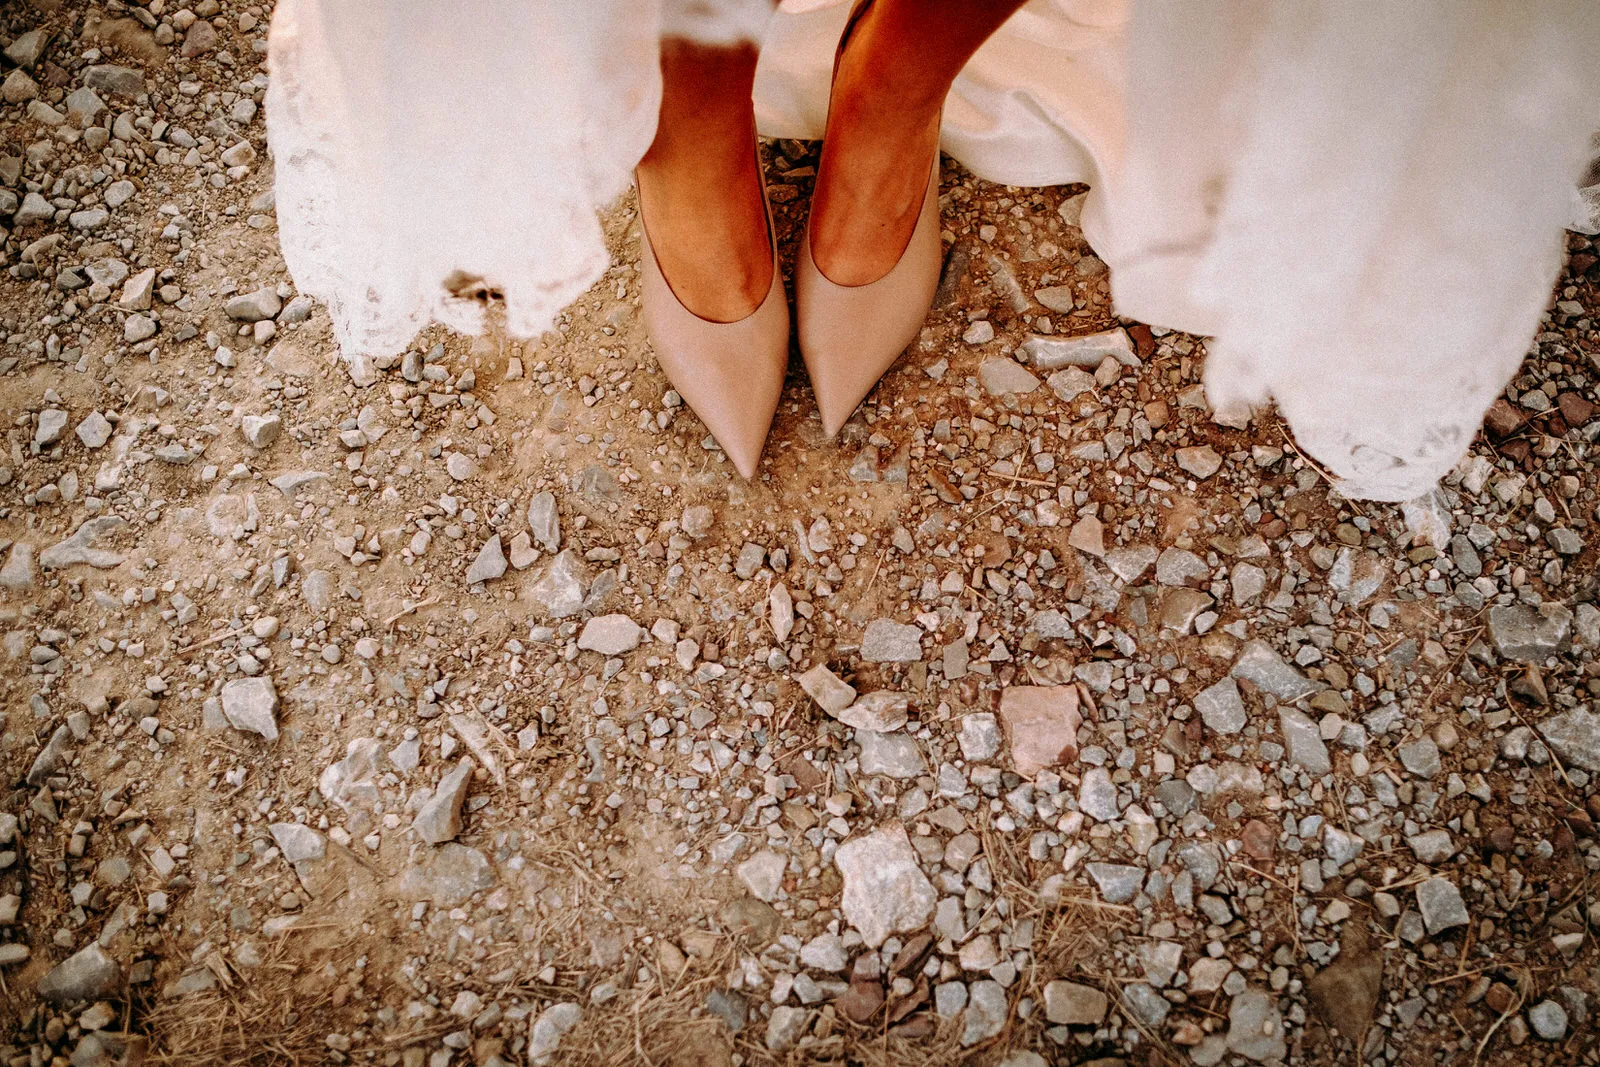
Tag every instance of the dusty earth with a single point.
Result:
(459, 719)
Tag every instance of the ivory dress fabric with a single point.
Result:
(1362, 204)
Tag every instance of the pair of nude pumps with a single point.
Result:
(731, 373)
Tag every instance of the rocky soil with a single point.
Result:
(484, 716)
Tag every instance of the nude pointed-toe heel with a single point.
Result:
(730, 373)
(850, 335)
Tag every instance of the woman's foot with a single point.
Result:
(700, 190)
(882, 136)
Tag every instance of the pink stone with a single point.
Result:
(1043, 723)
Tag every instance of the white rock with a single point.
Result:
(610, 635)
(885, 891)
(251, 704)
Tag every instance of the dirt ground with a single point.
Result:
(284, 784)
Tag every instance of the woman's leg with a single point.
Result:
(700, 185)
(883, 127)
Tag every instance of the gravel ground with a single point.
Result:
(484, 716)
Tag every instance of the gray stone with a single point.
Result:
(895, 755)
(949, 998)
(119, 81)
(762, 874)
(52, 424)
(882, 712)
(887, 641)
(1129, 564)
(830, 692)
(825, 952)
(1071, 1004)
(17, 574)
(260, 430)
(1221, 708)
(785, 1027)
(986, 1014)
(611, 635)
(547, 1030)
(1255, 1028)
(297, 842)
(979, 737)
(1051, 352)
(1530, 634)
(140, 328)
(1573, 735)
(1432, 846)
(1341, 846)
(885, 891)
(560, 589)
(349, 782)
(35, 208)
(748, 562)
(544, 521)
(56, 754)
(88, 974)
(448, 875)
(1441, 905)
(1070, 384)
(251, 704)
(79, 547)
(439, 818)
(1549, 1020)
(1259, 664)
(255, 306)
(94, 431)
(1001, 376)
(1097, 796)
(1118, 882)
(119, 193)
(1177, 566)
(90, 219)
(1145, 1004)
(1302, 741)
(1201, 461)
(1420, 757)
(489, 564)
(27, 49)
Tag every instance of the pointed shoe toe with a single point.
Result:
(850, 335)
(729, 373)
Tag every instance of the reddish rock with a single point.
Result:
(861, 1001)
(200, 39)
(1502, 419)
(1499, 998)
(1575, 409)
(1144, 341)
(1043, 723)
(1260, 840)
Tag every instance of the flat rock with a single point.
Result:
(1088, 534)
(79, 548)
(56, 754)
(1441, 905)
(830, 692)
(560, 588)
(1051, 352)
(548, 1028)
(894, 755)
(610, 635)
(88, 974)
(94, 431)
(448, 875)
(979, 737)
(882, 712)
(1420, 757)
(1071, 1004)
(254, 306)
(1260, 664)
(297, 842)
(1530, 634)
(251, 704)
(544, 521)
(439, 818)
(762, 874)
(1000, 376)
(986, 1014)
(885, 891)
(1221, 707)
(1042, 721)
(1432, 846)
(887, 641)
(1097, 796)
(1302, 742)
(1202, 461)
(1575, 737)
(1130, 564)
(489, 564)
(1255, 1028)
(1118, 882)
